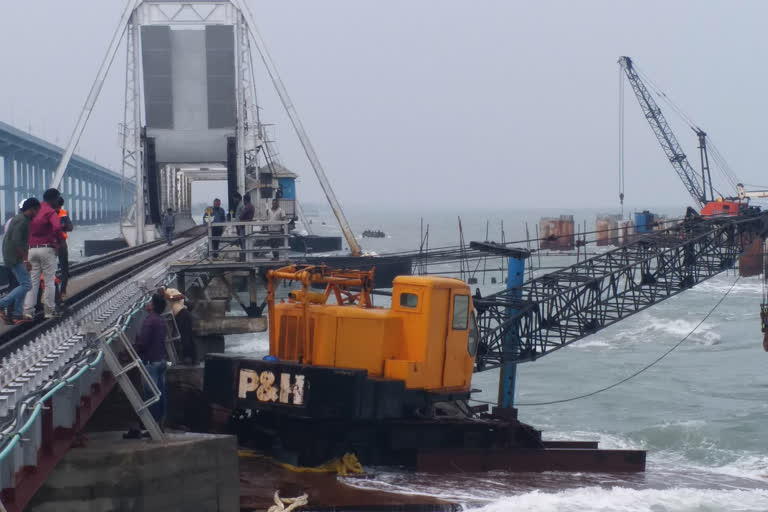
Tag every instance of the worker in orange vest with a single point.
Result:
(66, 226)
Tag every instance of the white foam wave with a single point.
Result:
(620, 499)
(256, 344)
(718, 286)
(605, 440)
(675, 447)
(652, 329)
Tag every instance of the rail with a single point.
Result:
(257, 238)
(52, 384)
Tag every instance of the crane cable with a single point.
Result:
(621, 139)
(646, 367)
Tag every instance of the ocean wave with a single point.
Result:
(620, 499)
(257, 344)
(649, 328)
(718, 286)
(605, 440)
(676, 447)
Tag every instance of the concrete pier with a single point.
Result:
(189, 472)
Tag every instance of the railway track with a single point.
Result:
(17, 336)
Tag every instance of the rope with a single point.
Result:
(293, 503)
(643, 369)
(344, 466)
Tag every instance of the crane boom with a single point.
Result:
(664, 134)
(556, 309)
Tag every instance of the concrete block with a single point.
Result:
(188, 472)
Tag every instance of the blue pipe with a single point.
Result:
(508, 373)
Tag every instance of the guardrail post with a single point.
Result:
(47, 431)
(64, 407)
(30, 443)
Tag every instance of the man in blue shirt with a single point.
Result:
(217, 215)
(150, 346)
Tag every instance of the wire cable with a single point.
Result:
(643, 369)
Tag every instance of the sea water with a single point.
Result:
(701, 413)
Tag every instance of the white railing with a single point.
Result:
(250, 241)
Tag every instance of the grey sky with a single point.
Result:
(444, 103)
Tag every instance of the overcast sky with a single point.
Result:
(439, 103)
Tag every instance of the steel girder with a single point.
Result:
(564, 306)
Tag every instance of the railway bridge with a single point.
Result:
(93, 192)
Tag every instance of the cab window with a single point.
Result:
(473, 338)
(460, 312)
(409, 300)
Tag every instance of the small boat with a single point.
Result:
(369, 233)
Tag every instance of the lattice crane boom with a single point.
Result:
(664, 134)
(554, 310)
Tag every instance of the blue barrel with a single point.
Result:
(643, 222)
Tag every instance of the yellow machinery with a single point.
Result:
(427, 338)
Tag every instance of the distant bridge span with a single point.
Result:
(27, 165)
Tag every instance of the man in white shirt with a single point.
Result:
(275, 214)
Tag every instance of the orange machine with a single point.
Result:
(723, 207)
(427, 338)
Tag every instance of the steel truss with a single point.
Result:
(564, 306)
(132, 210)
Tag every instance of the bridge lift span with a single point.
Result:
(190, 110)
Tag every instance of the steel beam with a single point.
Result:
(559, 308)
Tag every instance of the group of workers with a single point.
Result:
(244, 211)
(34, 245)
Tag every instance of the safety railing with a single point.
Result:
(249, 241)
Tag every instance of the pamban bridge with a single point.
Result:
(189, 114)
(365, 359)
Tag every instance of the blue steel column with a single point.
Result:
(508, 372)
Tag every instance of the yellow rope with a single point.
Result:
(344, 466)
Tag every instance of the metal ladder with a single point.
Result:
(172, 337)
(120, 372)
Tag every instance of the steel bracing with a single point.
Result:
(664, 134)
(559, 308)
(132, 212)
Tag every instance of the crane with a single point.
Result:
(696, 188)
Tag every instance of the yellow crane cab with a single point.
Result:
(427, 337)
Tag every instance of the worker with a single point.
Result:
(15, 256)
(41, 292)
(183, 318)
(45, 236)
(237, 209)
(150, 347)
(12, 282)
(217, 215)
(8, 222)
(169, 225)
(66, 227)
(275, 214)
(246, 215)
